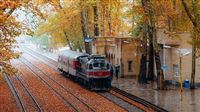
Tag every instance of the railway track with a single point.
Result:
(49, 62)
(70, 89)
(53, 62)
(139, 100)
(47, 79)
(36, 104)
(126, 97)
(118, 101)
(19, 99)
(15, 94)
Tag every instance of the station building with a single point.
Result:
(120, 51)
(174, 49)
(126, 53)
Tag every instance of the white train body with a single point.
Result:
(67, 61)
(93, 70)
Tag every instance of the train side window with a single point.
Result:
(90, 66)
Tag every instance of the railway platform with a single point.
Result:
(171, 99)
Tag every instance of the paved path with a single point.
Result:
(172, 100)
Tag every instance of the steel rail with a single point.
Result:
(139, 100)
(50, 65)
(32, 51)
(60, 85)
(123, 93)
(29, 93)
(56, 83)
(101, 94)
(54, 90)
(15, 93)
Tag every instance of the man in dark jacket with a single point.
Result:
(117, 71)
(111, 72)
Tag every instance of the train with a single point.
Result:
(93, 71)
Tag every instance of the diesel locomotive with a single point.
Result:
(94, 71)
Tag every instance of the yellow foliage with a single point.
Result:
(10, 28)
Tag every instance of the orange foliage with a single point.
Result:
(9, 29)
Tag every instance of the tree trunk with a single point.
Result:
(79, 46)
(152, 33)
(84, 26)
(103, 20)
(160, 76)
(150, 76)
(110, 18)
(142, 77)
(68, 42)
(96, 16)
(143, 62)
(192, 85)
(193, 16)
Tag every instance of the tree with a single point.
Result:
(152, 21)
(9, 30)
(96, 18)
(143, 63)
(194, 17)
(84, 25)
(58, 25)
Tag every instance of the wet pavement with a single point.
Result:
(172, 99)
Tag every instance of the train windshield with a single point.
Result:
(99, 64)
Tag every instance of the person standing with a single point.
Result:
(116, 72)
(111, 71)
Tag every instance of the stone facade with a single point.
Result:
(120, 51)
(125, 52)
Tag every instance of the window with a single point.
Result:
(130, 66)
(96, 64)
(101, 65)
(90, 66)
(176, 70)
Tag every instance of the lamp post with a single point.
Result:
(181, 81)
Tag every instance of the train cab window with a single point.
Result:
(96, 64)
(90, 66)
(102, 65)
(99, 65)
